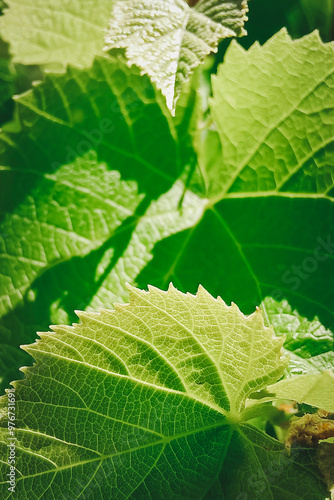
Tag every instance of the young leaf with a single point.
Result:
(112, 403)
(315, 390)
(168, 39)
(55, 34)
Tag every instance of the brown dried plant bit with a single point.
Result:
(308, 430)
(325, 456)
(326, 414)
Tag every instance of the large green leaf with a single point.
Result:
(268, 225)
(55, 33)
(168, 39)
(64, 188)
(257, 467)
(144, 402)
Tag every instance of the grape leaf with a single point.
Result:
(69, 184)
(287, 150)
(168, 39)
(55, 33)
(304, 338)
(112, 403)
(310, 344)
(268, 226)
(314, 389)
(257, 467)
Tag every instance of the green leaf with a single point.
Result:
(162, 219)
(168, 39)
(267, 229)
(287, 151)
(326, 464)
(257, 467)
(69, 185)
(304, 338)
(59, 226)
(310, 344)
(315, 390)
(112, 403)
(55, 34)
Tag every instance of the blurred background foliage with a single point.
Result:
(266, 17)
(300, 17)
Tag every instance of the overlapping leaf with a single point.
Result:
(310, 344)
(168, 39)
(64, 192)
(55, 33)
(161, 381)
(313, 389)
(268, 227)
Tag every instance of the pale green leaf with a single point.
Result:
(112, 404)
(314, 389)
(55, 33)
(168, 39)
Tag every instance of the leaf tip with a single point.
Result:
(171, 287)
